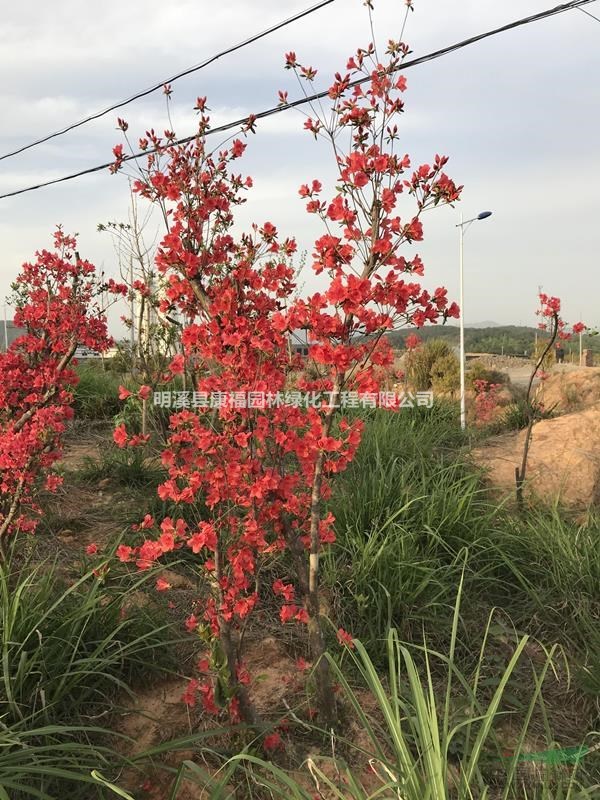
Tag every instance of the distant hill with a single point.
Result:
(487, 323)
(501, 339)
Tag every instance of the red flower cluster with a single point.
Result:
(57, 299)
(486, 399)
(262, 472)
(549, 311)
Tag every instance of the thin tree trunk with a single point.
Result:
(247, 710)
(14, 502)
(521, 473)
(316, 640)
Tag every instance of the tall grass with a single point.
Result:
(66, 649)
(67, 652)
(551, 569)
(409, 471)
(408, 507)
(404, 511)
(128, 467)
(53, 762)
(96, 396)
(422, 737)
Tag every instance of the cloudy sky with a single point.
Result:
(518, 115)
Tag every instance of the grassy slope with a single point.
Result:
(412, 519)
(411, 511)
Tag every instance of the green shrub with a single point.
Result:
(433, 365)
(515, 416)
(479, 372)
(129, 467)
(445, 374)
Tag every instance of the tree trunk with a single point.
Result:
(316, 640)
(520, 473)
(247, 710)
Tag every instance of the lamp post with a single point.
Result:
(464, 225)
(5, 329)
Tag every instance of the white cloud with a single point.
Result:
(517, 114)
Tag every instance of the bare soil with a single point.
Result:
(564, 459)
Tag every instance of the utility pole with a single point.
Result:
(463, 225)
(536, 330)
(5, 329)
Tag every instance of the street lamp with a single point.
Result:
(464, 225)
(5, 329)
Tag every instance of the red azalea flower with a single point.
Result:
(344, 638)
(144, 392)
(120, 435)
(272, 742)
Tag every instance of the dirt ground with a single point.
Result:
(519, 369)
(96, 512)
(564, 458)
(85, 512)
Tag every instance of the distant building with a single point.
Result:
(299, 341)
(8, 333)
(83, 353)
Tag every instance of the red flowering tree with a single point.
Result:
(262, 459)
(57, 299)
(549, 311)
(372, 287)
(226, 457)
(486, 399)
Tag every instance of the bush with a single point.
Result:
(515, 416)
(479, 372)
(433, 365)
(445, 374)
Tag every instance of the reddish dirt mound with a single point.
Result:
(158, 715)
(571, 389)
(564, 460)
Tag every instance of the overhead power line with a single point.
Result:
(583, 11)
(319, 95)
(161, 84)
